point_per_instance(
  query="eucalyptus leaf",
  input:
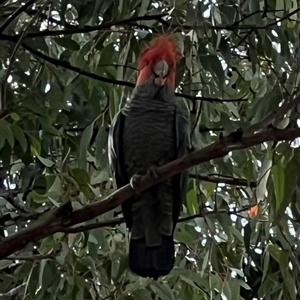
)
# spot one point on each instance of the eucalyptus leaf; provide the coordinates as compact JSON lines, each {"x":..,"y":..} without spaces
{"x":67,"y":43}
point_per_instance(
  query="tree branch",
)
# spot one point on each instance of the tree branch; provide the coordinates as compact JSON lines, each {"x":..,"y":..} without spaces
{"x":204,"y":129}
{"x":276,"y":114}
{"x":117,"y":221}
{"x":13,"y":200}
{"x":103,"y":26}
{"x":68,"y":66}
{"x":253,"y":27}
{"x":106,"y":223}
{"x":73,"y":29}
{"x":13,"y":292}
{"x":32,"y":257}
{"x":58,"y":219}
{"x":221,"y":179}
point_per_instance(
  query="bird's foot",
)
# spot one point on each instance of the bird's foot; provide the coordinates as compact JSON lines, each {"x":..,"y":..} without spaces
{"x":136,"y":178}
{"x":153,"y":172}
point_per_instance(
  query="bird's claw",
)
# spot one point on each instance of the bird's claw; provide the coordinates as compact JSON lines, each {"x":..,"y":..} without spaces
{"x":135,"y":181}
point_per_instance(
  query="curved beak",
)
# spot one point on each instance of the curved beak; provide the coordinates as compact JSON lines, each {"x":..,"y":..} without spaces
{"x":161,"y":70}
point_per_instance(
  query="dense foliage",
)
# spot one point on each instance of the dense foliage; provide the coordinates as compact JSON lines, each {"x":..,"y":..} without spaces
{"x":67,"y":67}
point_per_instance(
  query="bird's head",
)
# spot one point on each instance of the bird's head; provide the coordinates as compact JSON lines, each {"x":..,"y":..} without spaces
{"x":157,"y":62}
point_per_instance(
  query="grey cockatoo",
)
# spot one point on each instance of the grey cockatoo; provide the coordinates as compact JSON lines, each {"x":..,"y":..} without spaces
{"x":149,"y":132}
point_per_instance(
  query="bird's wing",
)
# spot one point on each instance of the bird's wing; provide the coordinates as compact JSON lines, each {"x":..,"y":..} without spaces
{"x":115,"y":156}
{"x":183,"y":143}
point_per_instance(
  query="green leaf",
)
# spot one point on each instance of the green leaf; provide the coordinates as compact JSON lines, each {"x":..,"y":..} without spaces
{"x":88,"y":262}
{"x":15,"y":116}
{"x":5,"y":263}
{"x":263,"y":178}
{"x":96,"y":9}
{"x":290,"y":183}
{"x":101,"y":145}
{"x":265,"y":265}
{"x":247,"y":236}
{"x":212,"y":64}
{"x":42,"y":267}
{"x":79,"y":287}
{"x":84,"y":144}
{"x":290,"y":285}
{"x":47,"y":126}
{"x":6,"y":133}
{"x":282,"y":39}
{"x":33,"y":281}
{"x":35,"y":144}
{"x":67,"y":43}
{"x":114,"y":268}
{"x":45,"y":161}
{"x":278,"y":254}
{"x":225,"y":50}
{"x":142,"y":294}
{"x":278,"y":183}
{"x":20,"y":136}
{"x":144,"y":7}
{"x":163,"y":291}
{"x":192,"y":202}
{"x":185,"y":234}
{"x":36,"y":107}
{"x":38,"y":198}
{"x":205,"y":262}
{"x":81,"y":176}
{"x":123,"y":266}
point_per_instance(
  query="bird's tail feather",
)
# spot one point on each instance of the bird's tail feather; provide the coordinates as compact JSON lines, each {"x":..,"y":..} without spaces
{"x":151,"y":261}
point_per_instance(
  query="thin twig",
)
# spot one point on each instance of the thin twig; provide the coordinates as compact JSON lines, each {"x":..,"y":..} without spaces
{"x":222,"y":179}
{"x":73,"y":29}
{"x":67,"y":65}
{"x":88,"y":29}
{"x":276,"y":114}
{"x":31,"y":258}
{"x":254,"y":27}
{"x":14,"y":201}
{"x":13,"y":292}
{"x":117,"y":221}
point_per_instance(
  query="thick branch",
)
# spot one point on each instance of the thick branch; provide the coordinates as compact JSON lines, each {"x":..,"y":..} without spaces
{"x":61,"y":218}
{"x":47,"y":223}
